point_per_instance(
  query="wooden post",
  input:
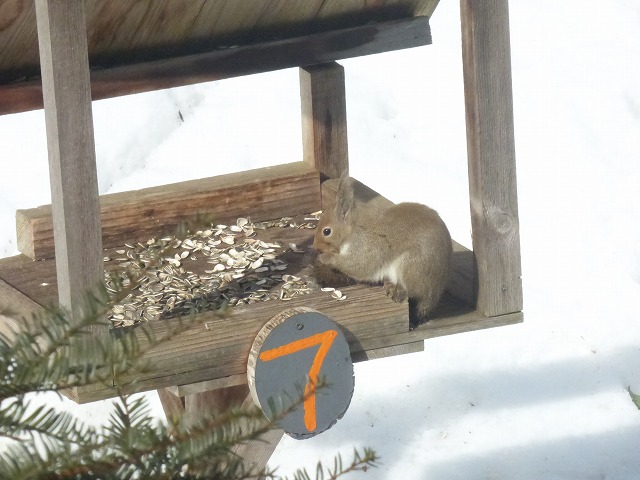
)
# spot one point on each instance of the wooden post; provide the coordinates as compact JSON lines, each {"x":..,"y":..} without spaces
{"x":491,"y":151}
{"x":72,"y":158}
{"x":255,"y":453}
{"x":199,"y":405}
{"x":324,"y":119}
{"x":172,"y":405}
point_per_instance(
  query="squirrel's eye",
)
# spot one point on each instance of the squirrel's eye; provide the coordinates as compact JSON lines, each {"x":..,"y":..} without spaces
{"x":326,"y":231}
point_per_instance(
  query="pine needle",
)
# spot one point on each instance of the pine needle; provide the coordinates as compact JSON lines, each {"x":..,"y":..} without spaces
{"x":635,"y":398}
{"x":52,"y":352}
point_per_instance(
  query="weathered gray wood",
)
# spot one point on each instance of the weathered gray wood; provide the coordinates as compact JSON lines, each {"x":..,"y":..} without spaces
{"x":324,"y":119}
{"x":202,"y":405}
{"x":120,"y":31}
{"x":215,"y":384}
{"x":450,"y":319}
{"x":384,"y":352}
{"x":262,"y":193}
{"x":16,"y":309}
{"x":256,"y":453}
{"x":72,"y":166}
{"x":207,"y":404}
{"x":491,"y":151}
{"x":172,"y":404}
{"x":239,"y":379}
{"x":309,"y":49}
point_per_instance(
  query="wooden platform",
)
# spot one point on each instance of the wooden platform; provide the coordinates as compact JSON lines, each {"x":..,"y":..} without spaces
{"x":214,"y":355}
{"x":119,"y":48}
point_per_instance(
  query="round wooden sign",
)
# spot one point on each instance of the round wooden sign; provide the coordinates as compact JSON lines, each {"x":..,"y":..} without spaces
{"x":294,"y":352}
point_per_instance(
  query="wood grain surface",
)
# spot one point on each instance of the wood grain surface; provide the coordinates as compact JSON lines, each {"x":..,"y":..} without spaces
{"x":491,"y":150}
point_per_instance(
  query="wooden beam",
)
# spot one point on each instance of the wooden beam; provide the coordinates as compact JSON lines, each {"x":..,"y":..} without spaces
{"x":263,"y":194}
{"x":216,"y":351}
{"x":324,"y":119}
{"x":256,"y":453}
{"x":491,"y":151}
{"x":15,"y":309}
{"x":207,"y":385}
{"x":241,"y":379}
{"x":172,"y":404}
{"x":219,"y":347}
{"x":72,"y":165}
{"x":445,"y":323}
{"x":232,"y":62}
{"x":384,"y":352}
{"x":206,"y":404}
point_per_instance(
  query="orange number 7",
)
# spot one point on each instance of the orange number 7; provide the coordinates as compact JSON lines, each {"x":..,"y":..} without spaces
{"x":324,"y":339}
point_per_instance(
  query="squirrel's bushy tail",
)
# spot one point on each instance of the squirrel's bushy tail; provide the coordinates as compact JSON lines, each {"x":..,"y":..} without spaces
{"x":420,"y":308}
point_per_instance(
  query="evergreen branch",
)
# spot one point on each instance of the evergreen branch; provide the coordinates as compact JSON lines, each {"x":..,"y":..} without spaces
{"x":361,"y":463}
{"x":18,"y":424}
{"x":66,"y":364}
{"x":53,"y":352}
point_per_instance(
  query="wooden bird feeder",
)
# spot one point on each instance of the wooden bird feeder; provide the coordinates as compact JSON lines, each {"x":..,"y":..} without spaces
{"x":61,"y":55}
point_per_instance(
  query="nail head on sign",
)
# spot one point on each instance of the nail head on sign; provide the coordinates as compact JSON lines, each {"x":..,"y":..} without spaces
{"x":295,"y":351}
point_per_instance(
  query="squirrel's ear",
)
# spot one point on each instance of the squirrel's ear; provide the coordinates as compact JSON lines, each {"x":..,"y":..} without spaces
{"x":344,"y":198}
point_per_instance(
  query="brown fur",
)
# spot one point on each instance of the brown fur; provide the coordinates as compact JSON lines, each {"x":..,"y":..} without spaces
{"x":405,"y":246}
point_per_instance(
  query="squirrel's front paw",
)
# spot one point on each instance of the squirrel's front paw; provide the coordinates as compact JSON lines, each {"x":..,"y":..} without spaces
{"x":327,"y":258}
{"x":397,"y":293}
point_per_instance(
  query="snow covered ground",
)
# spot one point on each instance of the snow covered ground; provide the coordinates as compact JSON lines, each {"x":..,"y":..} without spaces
{"x":543,"y":400}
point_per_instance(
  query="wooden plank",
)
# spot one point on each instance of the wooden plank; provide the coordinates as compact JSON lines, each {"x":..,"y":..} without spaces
{"x":15,"y":309}
{"x":220,"y":347}
{"x":262,"y":194}
{"x":324,"y":119}
{"x":449,"y":319}
{"x":19,"y":40}
{"x":121,"y":32}
{"x":256,"y":453}
{"x":35,"y":280}
{"x":224,"y":382}
{"x":172,"y":404}
{"x":463,"y":280}
{"x":239,"y":379}
{"x":213,"y":352}
{"x":207,"y":404}
{"x":384,"y":352}
{"x":132,"y":31}
{"x":491,"y":151}
{"x":231,"y":62}
{"x":452,"y":320}
{"x":72,"y":165}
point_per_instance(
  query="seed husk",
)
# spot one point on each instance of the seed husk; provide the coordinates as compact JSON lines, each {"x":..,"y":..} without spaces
{"x":245,"y":269}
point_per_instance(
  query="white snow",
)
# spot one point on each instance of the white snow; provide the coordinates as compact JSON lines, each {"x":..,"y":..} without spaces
{"x":543,"y":400}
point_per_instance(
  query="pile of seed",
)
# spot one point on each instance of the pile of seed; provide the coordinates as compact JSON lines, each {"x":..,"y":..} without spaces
{"x":243,"y":270}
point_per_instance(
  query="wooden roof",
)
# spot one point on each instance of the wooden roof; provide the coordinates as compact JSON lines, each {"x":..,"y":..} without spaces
{"x":130,"y":31}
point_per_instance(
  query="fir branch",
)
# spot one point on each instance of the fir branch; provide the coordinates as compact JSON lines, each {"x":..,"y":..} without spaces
{"x":18,"y":424}
{"x":362,"y":463}
{"x":53,"y":352}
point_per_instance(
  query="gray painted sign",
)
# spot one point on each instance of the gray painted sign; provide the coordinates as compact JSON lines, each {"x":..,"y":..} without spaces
{"x":295,"y":352}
